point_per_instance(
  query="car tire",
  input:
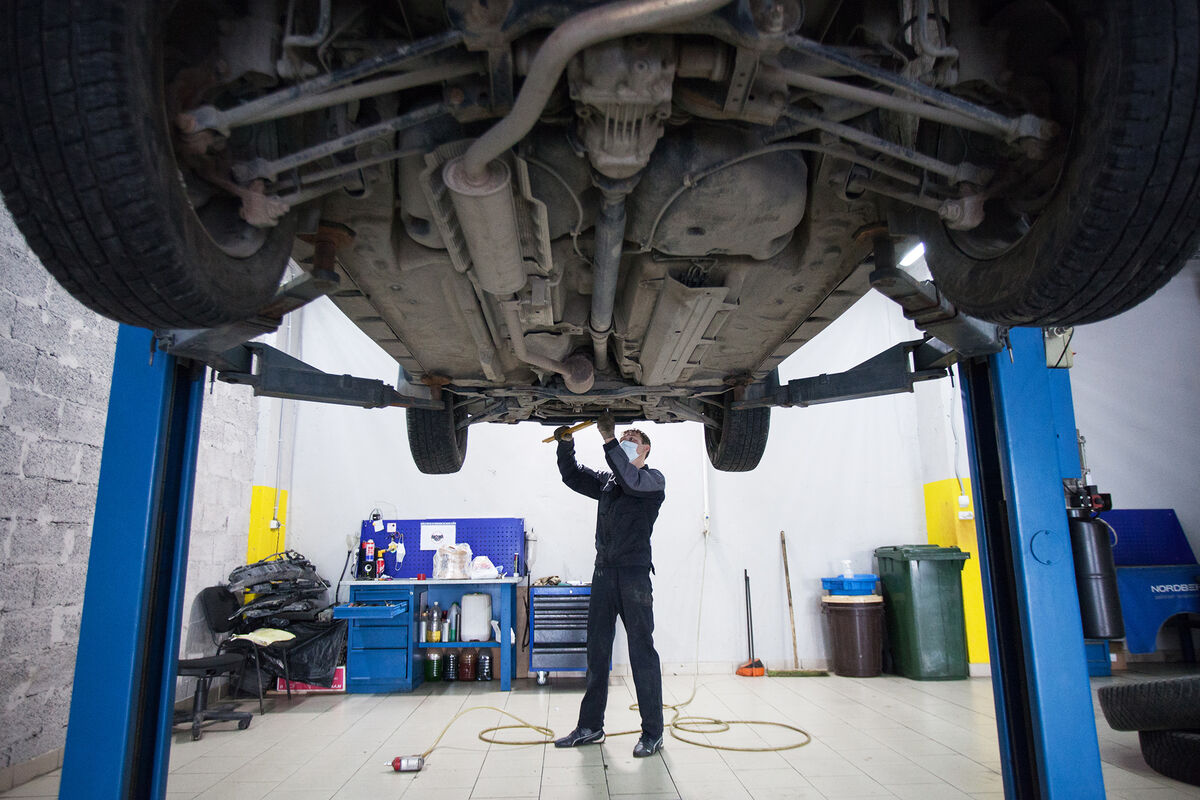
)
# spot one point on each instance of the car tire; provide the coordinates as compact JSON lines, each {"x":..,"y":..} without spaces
{"x":1152,"y":705}
{"x":740,"y":441}
{"x":88,"y":172}
{"x":1175,"y":754}
{"x":1124,"y":215}
{"x":437,"y":443}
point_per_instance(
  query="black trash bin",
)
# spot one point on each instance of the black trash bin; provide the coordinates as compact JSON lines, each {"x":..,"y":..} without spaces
{"x":856,"y":628}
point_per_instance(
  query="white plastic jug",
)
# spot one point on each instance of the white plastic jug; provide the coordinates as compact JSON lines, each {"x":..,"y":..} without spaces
{"x":476,"y":624}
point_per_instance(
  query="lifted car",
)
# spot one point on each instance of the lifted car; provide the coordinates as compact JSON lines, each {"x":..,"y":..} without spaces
{"x":546,"y":208}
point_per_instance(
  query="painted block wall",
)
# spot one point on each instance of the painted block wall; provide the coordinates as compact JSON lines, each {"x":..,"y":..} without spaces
{"x":55,"y":371}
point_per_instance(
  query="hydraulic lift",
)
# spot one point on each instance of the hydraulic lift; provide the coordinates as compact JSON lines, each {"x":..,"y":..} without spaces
{"x":1021,"y":439}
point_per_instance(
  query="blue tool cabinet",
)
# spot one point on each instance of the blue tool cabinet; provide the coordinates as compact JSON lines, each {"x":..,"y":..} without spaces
{"x":381,"y":651}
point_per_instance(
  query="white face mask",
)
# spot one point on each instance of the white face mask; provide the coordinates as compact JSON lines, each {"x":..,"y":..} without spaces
{"x":631,"y":450}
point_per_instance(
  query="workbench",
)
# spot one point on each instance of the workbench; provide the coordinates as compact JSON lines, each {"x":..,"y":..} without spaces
{"x":382,"y":652}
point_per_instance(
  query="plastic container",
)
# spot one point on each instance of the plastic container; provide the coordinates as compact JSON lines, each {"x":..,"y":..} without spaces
{"x":856,"y":631}
{"x":450,"y":673}
{"x":926,"y":627}
{"x":856,"y":585}
{"x":433,"y":667}
{"x":466,"y":666}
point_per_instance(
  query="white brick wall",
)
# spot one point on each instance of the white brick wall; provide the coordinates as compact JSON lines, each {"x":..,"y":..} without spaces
{"x":55,"y":370}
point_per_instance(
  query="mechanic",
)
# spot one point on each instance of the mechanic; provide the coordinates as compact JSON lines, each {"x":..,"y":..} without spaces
{"x":630,"y":497}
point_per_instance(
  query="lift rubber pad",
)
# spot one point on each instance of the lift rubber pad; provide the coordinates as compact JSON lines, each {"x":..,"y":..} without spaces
{"x":498,"y":538}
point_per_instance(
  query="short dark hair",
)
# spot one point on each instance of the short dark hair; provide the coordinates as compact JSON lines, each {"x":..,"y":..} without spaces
{"x":645,"y":438}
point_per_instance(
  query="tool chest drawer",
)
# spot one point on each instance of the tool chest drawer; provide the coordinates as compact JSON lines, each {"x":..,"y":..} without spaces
{"x":371,"y":610}
{"x":558,"y":628}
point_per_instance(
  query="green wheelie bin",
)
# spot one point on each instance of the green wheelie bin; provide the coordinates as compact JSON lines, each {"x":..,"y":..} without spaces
{"x":926,"y":629}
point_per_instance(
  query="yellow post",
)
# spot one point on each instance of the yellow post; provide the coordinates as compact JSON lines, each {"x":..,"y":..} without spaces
{"x":945,"y":528}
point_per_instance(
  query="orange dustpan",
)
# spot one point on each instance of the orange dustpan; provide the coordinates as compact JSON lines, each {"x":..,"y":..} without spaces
{"x":753,"y":668}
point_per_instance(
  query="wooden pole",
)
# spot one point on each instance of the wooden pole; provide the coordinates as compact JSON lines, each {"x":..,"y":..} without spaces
{"x":787,"y":579}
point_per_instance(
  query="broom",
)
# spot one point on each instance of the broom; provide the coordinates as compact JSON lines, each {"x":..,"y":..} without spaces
{"x":753,"y":668}
{"x":792,"y":673}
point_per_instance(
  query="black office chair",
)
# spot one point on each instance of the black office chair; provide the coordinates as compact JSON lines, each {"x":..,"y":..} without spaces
{"x":204,"y":670}
{"x":221,"y":608}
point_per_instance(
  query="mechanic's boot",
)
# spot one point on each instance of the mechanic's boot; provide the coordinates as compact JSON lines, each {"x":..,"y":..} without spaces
{"x":580,"y":736}
{"x":647,"y":746}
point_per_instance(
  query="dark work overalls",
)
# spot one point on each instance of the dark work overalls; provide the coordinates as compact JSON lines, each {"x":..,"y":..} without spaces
{"x":629,"y":502}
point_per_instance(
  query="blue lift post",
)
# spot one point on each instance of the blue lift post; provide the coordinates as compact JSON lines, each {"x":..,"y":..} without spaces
{"x":119,"y":733}
{"x":1022,"y":442}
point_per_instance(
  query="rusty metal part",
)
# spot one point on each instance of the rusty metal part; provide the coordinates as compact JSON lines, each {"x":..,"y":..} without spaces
{"x":590,"y":27}
{"x":329,"y":238}
{"x":209,"y":117}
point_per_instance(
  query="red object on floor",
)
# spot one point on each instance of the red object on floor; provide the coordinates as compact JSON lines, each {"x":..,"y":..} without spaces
{"x":339,"y":684}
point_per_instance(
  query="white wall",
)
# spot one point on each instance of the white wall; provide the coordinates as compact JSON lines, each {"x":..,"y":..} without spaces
{"x":1136,"y":386}
{"x":840,"y":479}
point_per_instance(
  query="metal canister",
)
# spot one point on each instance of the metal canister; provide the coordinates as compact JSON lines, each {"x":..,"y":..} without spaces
{"x":451,"y":671}
{"x":433,"y":667}
{"x":485,"y":667}
{"x":466,"y":666}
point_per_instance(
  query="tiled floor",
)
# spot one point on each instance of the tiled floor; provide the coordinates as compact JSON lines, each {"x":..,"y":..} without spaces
{"x":874,"y":737}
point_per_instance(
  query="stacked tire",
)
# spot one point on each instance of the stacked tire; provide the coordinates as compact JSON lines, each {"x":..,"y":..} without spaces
{"x":1166,"y":716}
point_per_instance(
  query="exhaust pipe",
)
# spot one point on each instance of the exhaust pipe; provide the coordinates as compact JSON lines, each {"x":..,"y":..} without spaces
{"x":582,"y":31}
{"x":480,"y":185}
{"x":577,"y":371}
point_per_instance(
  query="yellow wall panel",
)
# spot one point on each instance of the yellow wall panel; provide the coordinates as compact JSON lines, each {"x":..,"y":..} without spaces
{"x":263,"y":541}
{"x":946,"y":530}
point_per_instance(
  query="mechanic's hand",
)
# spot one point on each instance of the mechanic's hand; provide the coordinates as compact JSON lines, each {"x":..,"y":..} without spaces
{"x":562,"y":434}
{"x":607,"y":425}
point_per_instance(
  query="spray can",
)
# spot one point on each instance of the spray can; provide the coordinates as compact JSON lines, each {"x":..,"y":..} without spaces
{"x":368,"y":571}
{"x":453,"y":622}
{"x":379,"y":565}
{"x":424,"y":626}
{"x":407,"y":763}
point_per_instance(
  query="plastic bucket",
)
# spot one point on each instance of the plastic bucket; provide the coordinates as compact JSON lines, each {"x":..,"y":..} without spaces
{"x":856,"y":630}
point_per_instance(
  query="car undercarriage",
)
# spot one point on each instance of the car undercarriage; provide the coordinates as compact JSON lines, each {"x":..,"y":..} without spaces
{"x":546,"y":209}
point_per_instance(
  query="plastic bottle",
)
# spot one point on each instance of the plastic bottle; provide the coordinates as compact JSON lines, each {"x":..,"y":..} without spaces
{"x":435,"y":623}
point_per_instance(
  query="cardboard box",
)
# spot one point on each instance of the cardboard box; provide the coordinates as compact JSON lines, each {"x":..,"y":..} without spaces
{"x":339,"y":684}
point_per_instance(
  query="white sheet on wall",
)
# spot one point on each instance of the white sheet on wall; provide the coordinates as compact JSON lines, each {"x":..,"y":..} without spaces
{"x":436,"y":534}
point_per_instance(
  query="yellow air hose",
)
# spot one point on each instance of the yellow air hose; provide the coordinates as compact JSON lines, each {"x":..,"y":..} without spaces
{"x":687,"y":724}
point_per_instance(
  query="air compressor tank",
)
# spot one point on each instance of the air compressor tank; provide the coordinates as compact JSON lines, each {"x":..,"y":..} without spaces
{"x":1096,"y":580}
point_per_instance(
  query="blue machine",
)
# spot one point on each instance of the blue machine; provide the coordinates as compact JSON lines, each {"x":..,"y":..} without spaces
{"x":1022,"y":441}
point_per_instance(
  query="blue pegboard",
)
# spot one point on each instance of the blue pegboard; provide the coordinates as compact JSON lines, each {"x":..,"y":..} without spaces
{"x":498,"y":538}
{"x":1148,"y":537}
